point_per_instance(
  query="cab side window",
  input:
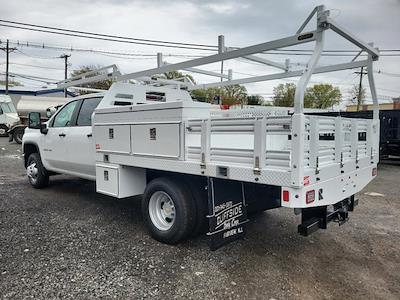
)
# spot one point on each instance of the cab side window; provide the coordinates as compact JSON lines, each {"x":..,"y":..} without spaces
{"x":86,"y":111}
{"x":64,"y":116}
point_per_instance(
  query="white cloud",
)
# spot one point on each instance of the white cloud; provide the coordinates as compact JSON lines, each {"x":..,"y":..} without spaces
{"x":242,"y":23}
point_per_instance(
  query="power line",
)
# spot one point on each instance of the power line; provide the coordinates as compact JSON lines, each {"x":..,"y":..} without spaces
{"x":387,"y":73}
{"x":160,"y":43}
{"x":118,"y":53}
{"x":20,"y":44}
{"x":110,"y":36}
{"x":107,"y":39}
{"x":34,"y":66}
{"x":34,"y":78}
{"x":37,"y":57}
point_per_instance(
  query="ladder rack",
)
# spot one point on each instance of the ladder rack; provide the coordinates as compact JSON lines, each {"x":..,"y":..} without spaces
{"x":324,"y":23}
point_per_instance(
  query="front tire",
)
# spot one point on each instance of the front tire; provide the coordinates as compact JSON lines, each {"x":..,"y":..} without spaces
{"x":169,"y":210}
{"x":18,"y":134}
{"x":37,"y":174}
{"x":3,"y":130}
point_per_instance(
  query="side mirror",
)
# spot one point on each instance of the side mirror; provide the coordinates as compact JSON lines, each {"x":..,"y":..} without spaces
{"x":35,"y":122}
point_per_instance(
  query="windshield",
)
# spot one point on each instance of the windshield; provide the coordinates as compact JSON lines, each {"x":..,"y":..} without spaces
{"x":8,"y":107}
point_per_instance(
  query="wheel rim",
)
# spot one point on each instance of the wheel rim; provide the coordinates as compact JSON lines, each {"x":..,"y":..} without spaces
{"x":2,"y":131}
{"x":162,"y":210}
{"x":32,"y":172}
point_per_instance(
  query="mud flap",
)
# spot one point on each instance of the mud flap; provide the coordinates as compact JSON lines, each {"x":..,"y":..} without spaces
{"x":227,"y":212}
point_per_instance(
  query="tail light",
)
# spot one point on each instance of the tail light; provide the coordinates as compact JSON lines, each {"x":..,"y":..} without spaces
{"x":310,"y":196}
{"x":374,"y":171}
{"x":285,"y":196}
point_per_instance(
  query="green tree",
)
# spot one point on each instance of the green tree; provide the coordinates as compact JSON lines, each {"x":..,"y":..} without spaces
{"x":284,"y":94}
{"x":205,"y":95}
{"x":234,"y":94}
{"x":230,"y":95}
{"x":255,"y":100}
{"x":317,"y":96}
{"x":322,"y":96}
{"x":102,"y":85}
{"x":176,"y":75}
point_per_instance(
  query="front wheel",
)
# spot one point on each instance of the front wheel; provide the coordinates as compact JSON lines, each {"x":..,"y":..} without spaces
{"x":37,"y":174}
{"x":18,"y":134}
{"x":168,"y":210}
{"x":3,"y":130}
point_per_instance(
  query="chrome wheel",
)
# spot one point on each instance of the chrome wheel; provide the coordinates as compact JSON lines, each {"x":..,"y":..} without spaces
{"x":162,"y":210}
{"x":32,"y":172}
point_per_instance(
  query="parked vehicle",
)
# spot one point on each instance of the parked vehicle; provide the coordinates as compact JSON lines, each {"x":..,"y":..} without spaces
{"x":13,"y":121}
{"x":8,"y":115}
{"x":196,"y":165}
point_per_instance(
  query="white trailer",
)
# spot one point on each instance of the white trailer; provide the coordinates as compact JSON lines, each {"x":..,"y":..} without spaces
{"x":191,"y":161}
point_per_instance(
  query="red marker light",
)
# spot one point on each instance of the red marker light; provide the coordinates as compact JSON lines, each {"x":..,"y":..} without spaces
{"x":285,"y":196}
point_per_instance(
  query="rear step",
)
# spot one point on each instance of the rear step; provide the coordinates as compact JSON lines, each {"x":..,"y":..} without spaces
{"x":316,"y":218}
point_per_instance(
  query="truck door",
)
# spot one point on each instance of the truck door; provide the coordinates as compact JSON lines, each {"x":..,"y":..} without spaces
{"x":80,"y":145}
{"x":54,"y":152}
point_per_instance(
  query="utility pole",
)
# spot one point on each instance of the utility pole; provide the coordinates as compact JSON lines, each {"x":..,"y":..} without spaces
{"x":7,"y":49}
{"x":65,"y":56}
{"x":221,"y":49}
{"x":360,"y":87}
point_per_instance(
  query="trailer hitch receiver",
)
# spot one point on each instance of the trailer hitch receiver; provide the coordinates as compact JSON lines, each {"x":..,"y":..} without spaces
{"x":315,"y":218}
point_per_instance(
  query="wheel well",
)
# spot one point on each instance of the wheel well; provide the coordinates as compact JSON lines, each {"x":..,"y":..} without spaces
{"x":192,"y":180}
{"x":28,"y":150}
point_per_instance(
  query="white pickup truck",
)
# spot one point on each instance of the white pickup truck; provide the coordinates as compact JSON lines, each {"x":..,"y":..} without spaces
{"x":193,"y":163}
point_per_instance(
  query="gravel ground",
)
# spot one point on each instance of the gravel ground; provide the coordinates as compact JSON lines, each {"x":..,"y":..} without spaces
{"x":66,"y":241}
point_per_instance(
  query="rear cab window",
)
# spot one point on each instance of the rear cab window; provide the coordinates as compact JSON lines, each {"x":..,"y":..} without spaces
{"x":85,"y":113}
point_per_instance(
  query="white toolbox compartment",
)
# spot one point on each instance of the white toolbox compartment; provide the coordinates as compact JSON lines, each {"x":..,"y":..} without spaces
{"x":113,"y":138}
{"x":156,"y":139}
{"x":119,"y":181}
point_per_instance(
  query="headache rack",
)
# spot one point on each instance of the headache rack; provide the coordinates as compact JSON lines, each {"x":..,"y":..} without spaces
{"x":254,"y":145}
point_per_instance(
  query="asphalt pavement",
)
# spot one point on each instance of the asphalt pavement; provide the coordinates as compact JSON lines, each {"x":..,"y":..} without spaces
{"x":67,"y":241}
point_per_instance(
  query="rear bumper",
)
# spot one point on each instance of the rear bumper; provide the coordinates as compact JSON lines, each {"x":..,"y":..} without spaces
{"x":330,"y":191}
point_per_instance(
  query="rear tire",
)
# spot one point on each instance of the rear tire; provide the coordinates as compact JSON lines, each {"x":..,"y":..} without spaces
{"x":3,"y":130}
{"x":18,"y":134}
{"x":37,"y":174}
{"x":168,"y":210}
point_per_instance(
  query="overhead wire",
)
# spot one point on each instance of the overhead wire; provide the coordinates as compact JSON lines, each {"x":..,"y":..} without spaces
{"x":110,"y":36}
{"x":107,"y":39}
